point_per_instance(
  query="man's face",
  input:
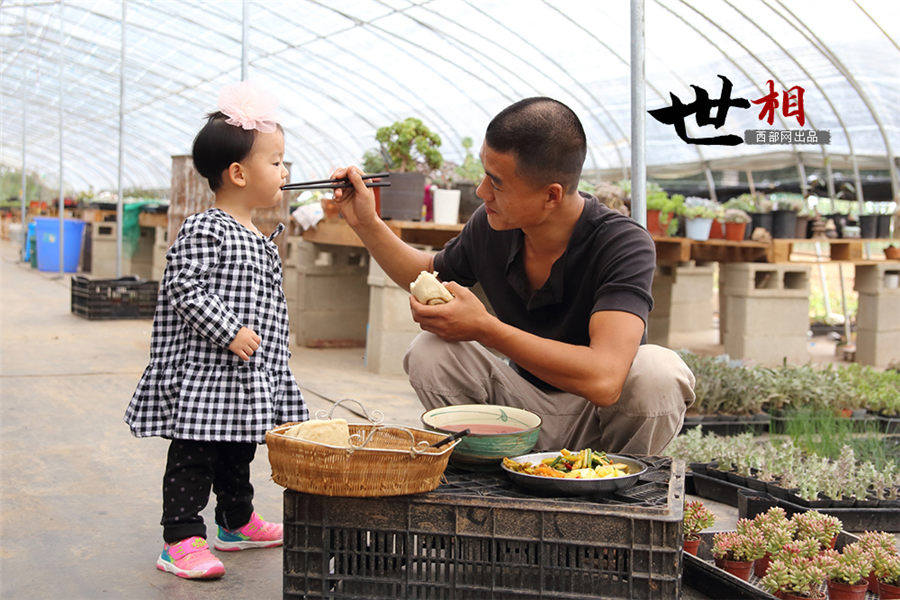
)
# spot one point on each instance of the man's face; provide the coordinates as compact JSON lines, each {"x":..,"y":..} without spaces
{"x":511,"y":201}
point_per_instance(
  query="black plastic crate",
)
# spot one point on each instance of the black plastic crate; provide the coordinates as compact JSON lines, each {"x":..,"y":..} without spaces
{"x":478,"y":537}
{"x":123,"y":298}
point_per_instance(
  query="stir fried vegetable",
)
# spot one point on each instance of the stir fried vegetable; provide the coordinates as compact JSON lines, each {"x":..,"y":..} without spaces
{"x":584,"y":464}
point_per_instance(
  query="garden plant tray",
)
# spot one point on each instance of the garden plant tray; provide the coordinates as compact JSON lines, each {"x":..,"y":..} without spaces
{"x":123,"y":298}
{"x":478,"y":536}
{"x":853,"y":518}
{"x":701,"y":574}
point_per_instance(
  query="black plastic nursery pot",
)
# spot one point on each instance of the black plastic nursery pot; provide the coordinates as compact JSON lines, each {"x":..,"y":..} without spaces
{"x":801,"y":231}
{"x":784,"y":224}
{"x":868,"y":226}
{"x":764,"y":220}
{"x":403,"y":198}
{"x":884,"y":227}
{"x":840,"y":221}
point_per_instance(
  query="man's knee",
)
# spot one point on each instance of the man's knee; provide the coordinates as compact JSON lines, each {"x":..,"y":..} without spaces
{"x":659,"y":383}
{"x":425,"y":353}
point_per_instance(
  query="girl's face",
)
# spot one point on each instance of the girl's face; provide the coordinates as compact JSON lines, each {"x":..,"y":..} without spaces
{"x":264,"y":169}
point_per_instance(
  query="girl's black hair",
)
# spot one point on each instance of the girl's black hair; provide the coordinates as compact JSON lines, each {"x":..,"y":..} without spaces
{"x":218,"y":145}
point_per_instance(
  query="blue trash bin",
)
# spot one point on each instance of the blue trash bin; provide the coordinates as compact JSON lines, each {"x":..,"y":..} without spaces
{"x":48,"y":244}
{"x":26,"y":255}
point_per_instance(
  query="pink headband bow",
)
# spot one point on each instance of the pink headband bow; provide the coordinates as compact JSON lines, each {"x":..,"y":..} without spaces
{"x":249,"y":106}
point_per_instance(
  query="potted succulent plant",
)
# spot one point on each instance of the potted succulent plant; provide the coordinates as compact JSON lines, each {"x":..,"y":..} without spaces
{"x":847,"y":571}
{"x":761,"y":215}
{"x":735,"y":224}
{"x":777,"y":531}
{"x":795,"y":577}
{"x":784,"y":216}
{"x":817,"y":526}
{"x":411,"y":150}
{"x":698,"y":220}
{"x":887,"y":570}
{"x":874,"y":542}
{"x":661,"y":209}
{"x":696,"y":518}
{"x":735,"y":551}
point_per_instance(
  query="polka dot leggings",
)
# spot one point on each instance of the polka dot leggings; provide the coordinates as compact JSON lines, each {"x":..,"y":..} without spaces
{"x":192,"y":467}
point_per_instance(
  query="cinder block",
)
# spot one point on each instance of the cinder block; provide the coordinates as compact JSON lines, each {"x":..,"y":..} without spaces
{"x":879,"y":312}
{"x":658,"y":330}
{"x":158,"y":266}
{"x":326,"y":328}
{"x":877,"y":348}
{"x":327,"y":259}
{"x":682,"y":300}
{"x":103,"y":252}
{"x":336,"y":292}
{"x":768,"y":350}
{"x":872,"y":279}
{"x":764,"y":279}
{"x":691,"y":316}
{"x":749,"y":316}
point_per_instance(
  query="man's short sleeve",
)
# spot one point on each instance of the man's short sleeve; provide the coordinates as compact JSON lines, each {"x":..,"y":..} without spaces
{"x":624,"y":282}
{"x":454,"y":262}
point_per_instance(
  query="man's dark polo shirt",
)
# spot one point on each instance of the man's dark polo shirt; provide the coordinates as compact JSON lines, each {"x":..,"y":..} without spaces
{"x":608,"y":265}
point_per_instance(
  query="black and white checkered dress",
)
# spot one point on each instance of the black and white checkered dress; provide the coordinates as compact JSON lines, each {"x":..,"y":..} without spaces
{"x":220,"y":276}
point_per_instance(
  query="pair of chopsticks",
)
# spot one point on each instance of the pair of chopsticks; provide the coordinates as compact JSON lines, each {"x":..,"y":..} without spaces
{"x":337,"y":184}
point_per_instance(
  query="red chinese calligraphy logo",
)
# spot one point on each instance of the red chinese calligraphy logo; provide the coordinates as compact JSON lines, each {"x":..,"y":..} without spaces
{"x":791,"y":104}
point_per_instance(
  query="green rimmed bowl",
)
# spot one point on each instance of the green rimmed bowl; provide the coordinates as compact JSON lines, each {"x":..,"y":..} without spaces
{"x":484,"y":451}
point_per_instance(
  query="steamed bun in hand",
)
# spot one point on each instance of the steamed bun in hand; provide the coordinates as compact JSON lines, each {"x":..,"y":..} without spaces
{"x":428,"y":290}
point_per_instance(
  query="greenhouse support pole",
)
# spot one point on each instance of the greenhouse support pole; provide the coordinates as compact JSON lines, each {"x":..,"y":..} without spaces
{"x":712,"y":185}
{"x":829,"y":180}
{"x":638,"y":106}
{"x":750,"y":182}
{"x":801,"y":170}
{"x":24,"y":127}
{"x":245,"y":30}
{"x":120,"y":204}
{"x":62,"y":201}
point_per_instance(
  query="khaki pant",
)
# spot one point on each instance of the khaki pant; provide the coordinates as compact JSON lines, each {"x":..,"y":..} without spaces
{"x":648,"y":414}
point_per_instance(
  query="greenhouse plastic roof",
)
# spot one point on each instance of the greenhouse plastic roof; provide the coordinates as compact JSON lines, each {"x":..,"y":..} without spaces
{"x":341,"y":69}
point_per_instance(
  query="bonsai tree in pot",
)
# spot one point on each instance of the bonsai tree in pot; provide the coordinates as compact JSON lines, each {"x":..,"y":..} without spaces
{"x":466,"y":177}
{"x":792,"y":577}
{"x":847,"y":572}
{"x":696,"y":518}
{"x":887,"y":570}
{"x":412,"y":151}
{"x":735,"y":224}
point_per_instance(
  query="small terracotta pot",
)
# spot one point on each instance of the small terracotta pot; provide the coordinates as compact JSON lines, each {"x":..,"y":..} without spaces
{"x":720,"y":562}
{"x":739,"y":568}
{"x":837,"y":590}
{"x":762,"y":565}
{"x":735,"y":231}
{"x":690,"y":546}
{"x":886,"y":591}
{"x":654,"y":226}
{"x":873,"y":583}
{"x":716,"y":231}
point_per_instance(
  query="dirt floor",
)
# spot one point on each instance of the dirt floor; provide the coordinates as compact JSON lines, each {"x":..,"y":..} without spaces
{"x":80,"y":497}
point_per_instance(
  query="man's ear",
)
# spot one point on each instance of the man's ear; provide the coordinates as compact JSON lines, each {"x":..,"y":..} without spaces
{"x":235,"y":174}
{"x":555,"y":194}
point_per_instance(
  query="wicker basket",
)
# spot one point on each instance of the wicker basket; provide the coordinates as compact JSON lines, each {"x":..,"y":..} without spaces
{"x":382,"y":460}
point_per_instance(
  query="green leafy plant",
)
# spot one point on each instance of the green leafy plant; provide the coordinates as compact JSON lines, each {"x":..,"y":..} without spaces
{"x":744,"y":202}
{"x":470,"y":170}
{"x":698,"y":212}
{"x":373,"y":161}
{"x":696,"y":518}
{"x":410,"y":146}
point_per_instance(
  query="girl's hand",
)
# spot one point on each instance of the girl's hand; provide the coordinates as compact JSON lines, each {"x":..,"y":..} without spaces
{"x":357,"y":204}
{"x":245,"y":343}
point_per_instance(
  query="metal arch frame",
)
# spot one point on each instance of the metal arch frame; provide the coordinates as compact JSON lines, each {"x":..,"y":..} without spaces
{"x":625,"y":62}
{"x":826,"y":51}
{"x":587,"y":109}
{"x":398,"y":83}
{"x":857,"y":179}
{"x":743,"y":72}
{"x":874,"y":22}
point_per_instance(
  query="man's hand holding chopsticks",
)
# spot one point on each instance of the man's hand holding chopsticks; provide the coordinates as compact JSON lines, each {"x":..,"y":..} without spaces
{"x":357,"y":204}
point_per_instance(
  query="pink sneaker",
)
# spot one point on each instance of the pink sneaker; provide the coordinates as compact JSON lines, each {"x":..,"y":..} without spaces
{"x":255,"y":534}
{"x":190,"y":559}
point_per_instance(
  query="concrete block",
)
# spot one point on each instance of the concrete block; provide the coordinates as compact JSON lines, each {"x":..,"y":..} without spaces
{"x":336,"y":292}
{"x":158,"y":265}
{"x":764,"y":279}
{"x":749,"y":316}
{"x":329,"y":328}
{"x":327,"y":259}
{"x":682,"y":297}
{"x":879,"y":312}
{"x":768,"y":350}
{"x":658,"y":330}
{"x":878,"y":279}
{"x":104,"y":249}
{"x":691,"y":316}
{"x":877,"y":348}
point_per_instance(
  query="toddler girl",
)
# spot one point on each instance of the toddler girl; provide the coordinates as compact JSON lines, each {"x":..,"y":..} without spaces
{"x":218,"y":376}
